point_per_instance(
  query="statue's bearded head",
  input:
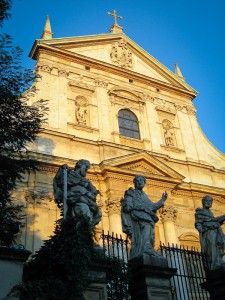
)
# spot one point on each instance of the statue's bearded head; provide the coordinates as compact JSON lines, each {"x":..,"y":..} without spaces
{"x":82,"y":167}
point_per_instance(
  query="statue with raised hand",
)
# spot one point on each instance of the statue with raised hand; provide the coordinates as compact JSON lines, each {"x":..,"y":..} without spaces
{"x":212,"y":238}
{"x":139,"y":218}
{"x":77,"y":192}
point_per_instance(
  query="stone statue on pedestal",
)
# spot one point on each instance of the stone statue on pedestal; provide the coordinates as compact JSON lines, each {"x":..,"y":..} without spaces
{"x":139,"y":218}
{"x":212,"y":238}
{"x":77,"y":192}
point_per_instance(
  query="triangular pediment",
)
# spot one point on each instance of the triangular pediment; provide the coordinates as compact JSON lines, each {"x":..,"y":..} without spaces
{"x":143,"y":164}
{"x":115,"y":51}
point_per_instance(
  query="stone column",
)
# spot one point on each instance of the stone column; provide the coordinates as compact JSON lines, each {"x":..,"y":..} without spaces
{"x":168,"y":217}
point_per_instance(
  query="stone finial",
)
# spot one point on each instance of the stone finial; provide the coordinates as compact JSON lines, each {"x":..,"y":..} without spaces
{"x":178,"y":72}
{"x":116,"y":28}
{"x":168,"y":213}
{"x":47,"y":32}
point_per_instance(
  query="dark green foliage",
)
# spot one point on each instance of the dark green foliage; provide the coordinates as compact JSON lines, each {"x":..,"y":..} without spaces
{"x":118,"y":279}
{"x":59,"y":269}
{"x":9,"y":224}
{"x":20,"y":124}
{"x":5,"y":5}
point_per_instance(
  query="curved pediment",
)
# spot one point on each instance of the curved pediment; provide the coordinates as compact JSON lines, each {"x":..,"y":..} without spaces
{"x":124,"y":93}
{"x":189,"y":236}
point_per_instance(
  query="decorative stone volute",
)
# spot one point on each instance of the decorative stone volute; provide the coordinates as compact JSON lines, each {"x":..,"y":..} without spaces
{"x":168,"y":213}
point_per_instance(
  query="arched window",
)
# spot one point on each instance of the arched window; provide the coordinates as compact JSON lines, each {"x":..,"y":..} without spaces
{"x":128,"y":124}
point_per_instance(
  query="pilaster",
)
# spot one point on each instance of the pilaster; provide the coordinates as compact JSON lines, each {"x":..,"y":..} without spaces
{"x":168,"y":216}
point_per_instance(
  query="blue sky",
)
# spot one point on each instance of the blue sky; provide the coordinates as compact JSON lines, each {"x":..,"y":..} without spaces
{"x":191,"y":33}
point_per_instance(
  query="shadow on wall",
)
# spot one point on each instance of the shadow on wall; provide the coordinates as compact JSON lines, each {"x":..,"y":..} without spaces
{"x":41,"y":215}
{"x":42,"y":145}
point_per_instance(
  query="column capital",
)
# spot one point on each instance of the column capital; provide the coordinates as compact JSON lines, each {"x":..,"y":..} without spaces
{"x":114,"y":206}
{"x":168,"y":213}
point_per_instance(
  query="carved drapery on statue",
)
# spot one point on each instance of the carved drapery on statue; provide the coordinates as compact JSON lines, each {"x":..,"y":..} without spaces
{"x":139,"y":218}
{"x":212,"y":238}
{"x":76,"y":193}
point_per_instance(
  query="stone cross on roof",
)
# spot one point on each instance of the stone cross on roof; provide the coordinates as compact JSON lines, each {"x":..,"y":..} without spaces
{"x":115,"y":27}
{"x":115,"y":16}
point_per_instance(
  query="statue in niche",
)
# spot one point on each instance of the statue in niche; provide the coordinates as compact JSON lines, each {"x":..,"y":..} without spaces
{"x":81,"y":110}
{"x":77,"y":192}
{"x":81,"y":115}
{"x":139,"y":218}
{"x":168,"y":133}
{"x":212,"y":238}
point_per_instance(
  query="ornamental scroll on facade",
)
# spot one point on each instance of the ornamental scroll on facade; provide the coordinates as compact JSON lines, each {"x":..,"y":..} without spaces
{"x":121,"y":55}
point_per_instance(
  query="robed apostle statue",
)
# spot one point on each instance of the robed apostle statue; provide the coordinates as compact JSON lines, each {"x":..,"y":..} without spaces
{"x":76,"y":192}
{"x":212,"y":238}
{"x":139,"y":218}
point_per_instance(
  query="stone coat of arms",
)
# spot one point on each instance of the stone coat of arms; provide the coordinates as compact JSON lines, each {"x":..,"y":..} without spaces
{"x":121,"y":55}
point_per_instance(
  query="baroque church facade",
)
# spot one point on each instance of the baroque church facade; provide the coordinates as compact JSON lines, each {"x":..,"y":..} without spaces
{"x":112,"y":103}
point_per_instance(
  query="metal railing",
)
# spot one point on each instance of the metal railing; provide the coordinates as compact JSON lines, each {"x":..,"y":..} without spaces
{"x":115,"y":246}
{"x":116,"y":250}
{"x":186,"y":284}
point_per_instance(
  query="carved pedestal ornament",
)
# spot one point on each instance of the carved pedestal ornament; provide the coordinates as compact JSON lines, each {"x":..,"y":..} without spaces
{"x":121,"y":55}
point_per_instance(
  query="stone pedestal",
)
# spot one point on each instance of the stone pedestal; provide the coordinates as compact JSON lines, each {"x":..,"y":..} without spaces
{"x":150,"y":278}
{"x":11,"y":269}
{"x":97,"y":273}
{"x":215,"y":284}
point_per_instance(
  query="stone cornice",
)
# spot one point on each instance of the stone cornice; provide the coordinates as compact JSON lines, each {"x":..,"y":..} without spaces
{"x":199,"y":190}
{"x":104,"y":39}
{"x":50,"y":163}
{"x":162,"y":157}
{"x":100,"y":65}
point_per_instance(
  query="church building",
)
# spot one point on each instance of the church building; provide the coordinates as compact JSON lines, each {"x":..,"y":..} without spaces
{"x":112,"y":103}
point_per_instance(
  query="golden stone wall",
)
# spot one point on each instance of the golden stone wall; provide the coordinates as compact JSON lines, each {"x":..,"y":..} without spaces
{"x":86,"y":81}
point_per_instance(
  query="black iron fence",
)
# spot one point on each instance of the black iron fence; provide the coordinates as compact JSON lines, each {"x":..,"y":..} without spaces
{"x":185,"y":285}
{"x":115,"y":246}
{"x":116,"y":251}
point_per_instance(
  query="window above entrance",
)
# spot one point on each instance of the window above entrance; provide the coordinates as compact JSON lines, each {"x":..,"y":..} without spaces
{"x":128,"y":124}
